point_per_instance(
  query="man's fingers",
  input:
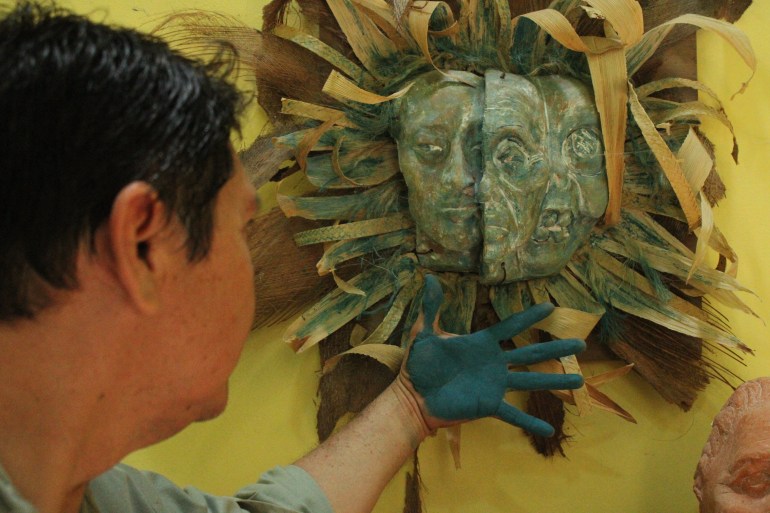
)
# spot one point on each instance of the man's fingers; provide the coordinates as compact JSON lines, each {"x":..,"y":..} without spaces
{"x":516,"y":417}
{"x":543,"y":381}
{"x":535,"y":353}
{"x":432,"y":297}
{"x":516,"y":323}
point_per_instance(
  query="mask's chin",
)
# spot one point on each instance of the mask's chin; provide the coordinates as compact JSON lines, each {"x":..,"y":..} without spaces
{"x":547,"y":250}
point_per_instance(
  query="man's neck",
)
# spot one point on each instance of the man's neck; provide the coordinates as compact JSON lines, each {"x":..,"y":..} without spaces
{"x":49,"y":420}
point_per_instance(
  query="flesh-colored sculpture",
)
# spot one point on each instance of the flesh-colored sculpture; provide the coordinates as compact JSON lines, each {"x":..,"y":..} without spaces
{"x":505,"y":176}
{"x":733,"y":474}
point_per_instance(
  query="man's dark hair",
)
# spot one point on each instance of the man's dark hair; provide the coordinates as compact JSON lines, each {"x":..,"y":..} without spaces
{"x":85,"y":109}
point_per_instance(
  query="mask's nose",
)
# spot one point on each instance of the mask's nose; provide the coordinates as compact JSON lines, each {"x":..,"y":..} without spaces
{"x":556,"y":213}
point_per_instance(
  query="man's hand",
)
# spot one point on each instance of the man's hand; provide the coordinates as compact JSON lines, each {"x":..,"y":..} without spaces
{"x":464,"y":377}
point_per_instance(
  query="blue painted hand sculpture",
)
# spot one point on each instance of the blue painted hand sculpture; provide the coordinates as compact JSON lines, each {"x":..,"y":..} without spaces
{"x":464,"y":377}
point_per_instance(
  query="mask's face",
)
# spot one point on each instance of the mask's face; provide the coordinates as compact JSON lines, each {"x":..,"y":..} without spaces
{"x":505,"y":175}
{"x":544,"y":184}
{"x":439,"y":151}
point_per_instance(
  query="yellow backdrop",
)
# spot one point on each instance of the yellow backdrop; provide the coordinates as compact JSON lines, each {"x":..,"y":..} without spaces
{"x":612,"y":466}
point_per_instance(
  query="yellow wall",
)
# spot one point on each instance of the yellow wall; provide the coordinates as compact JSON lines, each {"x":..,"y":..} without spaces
{"x":612,"y":466}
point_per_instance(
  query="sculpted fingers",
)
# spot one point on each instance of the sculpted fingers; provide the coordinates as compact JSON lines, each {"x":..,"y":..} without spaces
{"x":535,"y":353}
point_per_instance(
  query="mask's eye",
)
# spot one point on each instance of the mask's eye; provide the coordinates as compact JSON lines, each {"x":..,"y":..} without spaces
{"x":509,"y":155}
{"x":752,"y":480}
{"x":583,"y":147}
{"x":430,"y":148}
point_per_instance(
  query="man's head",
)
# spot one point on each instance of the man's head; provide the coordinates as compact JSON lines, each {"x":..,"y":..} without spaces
{"x":85,"y":110}
{"x":733,"y":473}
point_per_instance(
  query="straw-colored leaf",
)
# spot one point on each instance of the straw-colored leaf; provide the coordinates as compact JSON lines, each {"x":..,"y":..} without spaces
{"x":656,"y":86}
{"x":407,"y":293}
{"x":697,"y":165}
{"x":366,"y":40}
{"x":557,"y":26}
{"x":321,"y":49}
{"x":293,"y":139}
{"x":608,"y":75}
{"x":718,"y":242}
{"x":338,"y":307}
{"x":641,"y":52}
{"x":602,"y":402}
{"x":657,"y":233}
{"x":606,"y":377}
{"x":345,"y":250}
{"x":671,"y":262}
{"x":341,"y":88}
{"x":598,"y":400}
{"x":568,"y":323}
{"x":375,"y":202}
{"x":688,"y":112}
{"x":505,"y":33}
{"x":354,"y":230}
{"x":418,"y":20}
{"x":625,"y":17}
{"x":384,"y":16}
{"x":388,"y":355}
{"x":346,"y":286}
{"x":696,"y":161}
{"x":337,"y":168}
{"x":639,"y":299}
{"x":568,"y":292}
{"x":704,"y":235}
{"x":312,"y":111}
{"x":668,"y":162}
{"x":357,"y":334}
{"x":361,"y":164}
{"x":310,"y":139}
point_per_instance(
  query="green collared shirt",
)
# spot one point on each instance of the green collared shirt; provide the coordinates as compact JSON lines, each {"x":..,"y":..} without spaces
{"x":124,"y":489}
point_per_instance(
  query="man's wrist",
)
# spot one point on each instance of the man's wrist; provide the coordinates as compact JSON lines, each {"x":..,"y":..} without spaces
{"x":413,"y":411}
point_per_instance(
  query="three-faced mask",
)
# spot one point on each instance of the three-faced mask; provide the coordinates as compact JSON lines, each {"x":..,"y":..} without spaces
{"x":506,"y":175}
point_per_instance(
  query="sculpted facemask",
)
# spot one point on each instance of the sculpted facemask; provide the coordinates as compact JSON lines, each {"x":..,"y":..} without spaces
{"x":506,"y":179}
{"x":439,"y":152}
{"x":544,"y":184}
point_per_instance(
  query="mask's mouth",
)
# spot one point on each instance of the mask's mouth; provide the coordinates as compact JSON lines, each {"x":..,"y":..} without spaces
{"x":553,"y":226}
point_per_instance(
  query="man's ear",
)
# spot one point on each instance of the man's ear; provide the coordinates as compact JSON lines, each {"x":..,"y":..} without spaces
{"x":138,"y":234}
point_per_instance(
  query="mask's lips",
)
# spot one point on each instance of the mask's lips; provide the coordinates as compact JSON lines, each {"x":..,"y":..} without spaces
{"x":553,"y":226}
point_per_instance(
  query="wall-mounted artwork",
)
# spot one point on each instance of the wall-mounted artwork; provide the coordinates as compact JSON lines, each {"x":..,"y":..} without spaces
{"x":520,"y":151}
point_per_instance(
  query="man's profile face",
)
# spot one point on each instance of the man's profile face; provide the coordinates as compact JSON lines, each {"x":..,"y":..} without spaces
{"x":211,"y":307}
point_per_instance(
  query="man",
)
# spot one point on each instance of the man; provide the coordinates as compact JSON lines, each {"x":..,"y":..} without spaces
{"x":126,"y":288}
